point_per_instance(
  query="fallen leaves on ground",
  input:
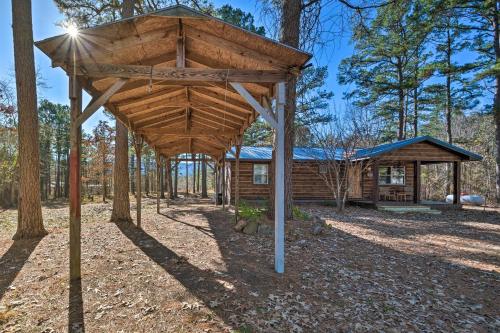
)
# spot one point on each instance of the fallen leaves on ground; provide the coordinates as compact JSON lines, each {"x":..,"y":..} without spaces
{"x":189,"y":271}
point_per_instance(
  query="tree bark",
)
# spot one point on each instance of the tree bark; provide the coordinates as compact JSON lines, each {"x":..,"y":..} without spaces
{"x":289,"y":34}
{"x":401,"y":102}
{"x":121,"y":201}
{"x":497,"y":99}
{"x":29,"y":222}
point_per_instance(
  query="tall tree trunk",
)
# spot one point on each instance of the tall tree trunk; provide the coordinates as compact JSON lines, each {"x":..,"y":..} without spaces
{"x":121,"y":201}
{"x":496,"y":102}
{"x":401,"y":101}
{"x":415,"y":95}
{"x":449,"y":107}
{"x":103,"y":177}
{"x":29,"y":221}
{"x":132,"y":174}
{"x":204,"y":193}
{"x":58,"y":175}
{"x":66,"y":176}
{"x":289,"y":34}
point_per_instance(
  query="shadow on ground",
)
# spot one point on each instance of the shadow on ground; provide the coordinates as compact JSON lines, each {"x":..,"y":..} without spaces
{"x":13,"y":261}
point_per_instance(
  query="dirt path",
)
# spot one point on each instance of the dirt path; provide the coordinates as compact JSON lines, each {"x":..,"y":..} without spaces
{"x":188,"y":271}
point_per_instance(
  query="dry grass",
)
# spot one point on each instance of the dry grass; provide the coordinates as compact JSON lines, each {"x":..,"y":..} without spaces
{"x":188,"y":271}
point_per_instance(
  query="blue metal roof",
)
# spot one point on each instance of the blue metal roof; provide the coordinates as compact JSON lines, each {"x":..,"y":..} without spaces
{"x":310,"y":153}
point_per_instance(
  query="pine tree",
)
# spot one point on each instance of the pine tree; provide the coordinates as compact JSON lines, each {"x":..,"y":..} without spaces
{"x":30,"y":222}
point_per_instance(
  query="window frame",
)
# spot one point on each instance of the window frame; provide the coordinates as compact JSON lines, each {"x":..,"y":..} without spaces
{"x":391,"y":174}
{"x":322,"y":169}
{"x":254,"y":174}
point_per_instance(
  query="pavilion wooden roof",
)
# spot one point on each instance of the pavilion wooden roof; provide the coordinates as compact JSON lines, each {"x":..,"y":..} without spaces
{"x":167,"y":75}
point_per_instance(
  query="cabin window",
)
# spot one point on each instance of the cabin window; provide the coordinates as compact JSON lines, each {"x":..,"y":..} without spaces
{"x":260,"y":174}
{"x":391,"y":175}
{"x":323,"y":170}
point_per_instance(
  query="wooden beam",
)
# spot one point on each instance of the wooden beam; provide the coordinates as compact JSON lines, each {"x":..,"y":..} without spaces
{"x":99,"y":101}
{"x":267,"y":114}
{"x":96,"y":70}
{"x":75,"y":95}
{"x":138,"y":142}
{"x":279,"y":181}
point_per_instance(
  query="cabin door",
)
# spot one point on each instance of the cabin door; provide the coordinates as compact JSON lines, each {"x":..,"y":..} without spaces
{"x":355,"y":182}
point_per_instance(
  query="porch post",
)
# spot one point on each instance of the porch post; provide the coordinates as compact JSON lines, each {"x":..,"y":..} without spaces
{"x":168,"y":178}
{"x":158,"y":181}
{"x":138,"y":183}
{"x":223,"y":185}
{"x":456,"y":182}
{"x":279,"y":182}
{"x":216,"y":183}
{"x":237,"y":181}
{"x":375,"y":182}
{"x":417,"y":183}
{"x":75,"y":95}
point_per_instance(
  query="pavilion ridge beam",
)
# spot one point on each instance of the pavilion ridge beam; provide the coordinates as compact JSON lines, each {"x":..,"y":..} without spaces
{"x":95,"y":70}
{"x":99,"y":101}
{"x":267,"y":114}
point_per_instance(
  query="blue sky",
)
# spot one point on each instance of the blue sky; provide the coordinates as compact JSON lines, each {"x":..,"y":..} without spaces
{"x":45,"y":19}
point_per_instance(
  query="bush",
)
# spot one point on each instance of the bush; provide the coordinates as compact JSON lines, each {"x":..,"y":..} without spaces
{"x":300,"y":214}
{"x":250,"y":213}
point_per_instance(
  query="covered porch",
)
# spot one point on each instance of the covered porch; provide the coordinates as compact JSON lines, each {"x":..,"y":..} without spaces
{"x":393,"y":172}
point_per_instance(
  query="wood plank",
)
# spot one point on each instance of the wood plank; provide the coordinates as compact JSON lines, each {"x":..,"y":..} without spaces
{"x":96,"y":70}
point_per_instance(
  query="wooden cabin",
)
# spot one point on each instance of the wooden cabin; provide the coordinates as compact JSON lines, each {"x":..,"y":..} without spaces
{"x":388,"y":172}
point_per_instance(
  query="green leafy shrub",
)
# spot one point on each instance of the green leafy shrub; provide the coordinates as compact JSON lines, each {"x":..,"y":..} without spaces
{"x":300,"y":214}
{"x":250,"y":213}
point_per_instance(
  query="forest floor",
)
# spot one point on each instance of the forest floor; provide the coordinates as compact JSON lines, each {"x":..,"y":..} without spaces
{"x":189,"y":271}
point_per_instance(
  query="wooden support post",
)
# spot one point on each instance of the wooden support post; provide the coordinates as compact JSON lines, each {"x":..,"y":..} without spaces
{"x":168,"y":177}
{"x":417,"y":183}
{"x":375,"y":182}
{"x":456,"y":182}
{"x":223,"y":180}
{"x":237,"y":181}
{"x":187,"y":178}
{"x":75,"y":95}
{"x":138,"y":183}
{"x":216,"y":183}
{"x":158,"y":178}
{"x":279,"y":181}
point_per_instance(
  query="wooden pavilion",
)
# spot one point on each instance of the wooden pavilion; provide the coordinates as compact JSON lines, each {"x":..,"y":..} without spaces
{"x":182,"y":82}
